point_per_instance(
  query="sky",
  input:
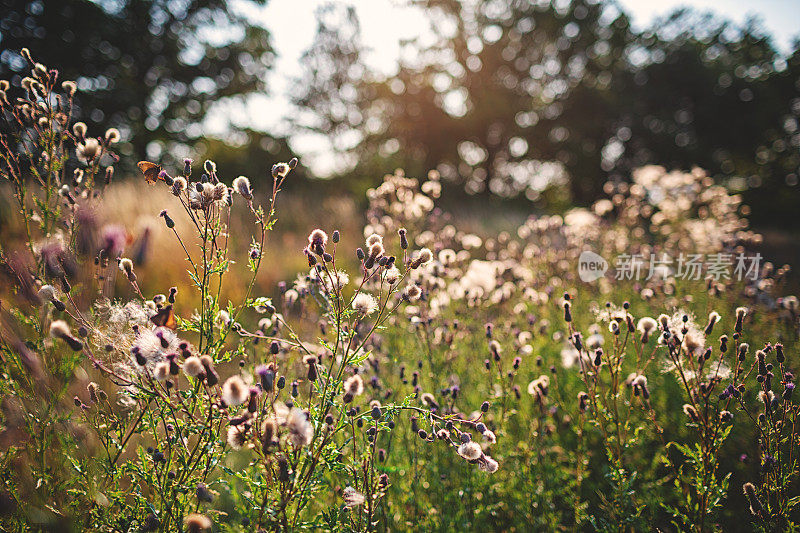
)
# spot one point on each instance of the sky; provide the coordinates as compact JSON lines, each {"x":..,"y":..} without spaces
{"x":384,"y":23}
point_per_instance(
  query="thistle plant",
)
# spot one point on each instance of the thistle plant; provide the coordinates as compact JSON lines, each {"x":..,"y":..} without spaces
{"x":430,"y":377}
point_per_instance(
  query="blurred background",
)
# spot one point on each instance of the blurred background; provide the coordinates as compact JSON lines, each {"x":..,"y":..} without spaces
{"x":521,"y":105}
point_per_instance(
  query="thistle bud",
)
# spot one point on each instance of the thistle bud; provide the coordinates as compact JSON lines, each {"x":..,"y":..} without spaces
{"x":212,"y":377}
{"x":79,"y":129}
{"x":749,"y":490}
{"x":126,"y":266}
{"x":167,"y":219}
{"x":242,"y":186}
{"x":60,"y":330}
{"x":69,"y":87}
{"x":741,"y":312}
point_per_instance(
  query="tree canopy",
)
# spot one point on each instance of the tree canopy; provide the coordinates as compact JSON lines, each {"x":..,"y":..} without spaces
{"x":521,"y":96}
{"x":152,"y":68}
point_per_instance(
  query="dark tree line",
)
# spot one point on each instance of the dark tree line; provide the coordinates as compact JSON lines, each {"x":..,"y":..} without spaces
{"x":516,"y":99}
{"x":152,"y":68}
{"x":519,"y":95}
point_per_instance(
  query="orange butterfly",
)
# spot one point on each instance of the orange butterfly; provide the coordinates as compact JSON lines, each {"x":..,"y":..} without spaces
{"x":151,"y":171}
{"x":165,"y":318}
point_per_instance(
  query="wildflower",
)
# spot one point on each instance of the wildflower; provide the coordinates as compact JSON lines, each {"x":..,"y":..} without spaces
{"x":203,"y":493}
{"x":161,"y":371}
{"x":583,"y":401}
{"x":354,"y":385}
{"x":79,"y":129}
{"x":179,"y":185}
{"x":755,"y":504}
{"x":242,"y":186}
{"x":374,"y":239}
{"x":40,"y":71}
{"x":234,"y":391}
{"x":691,"y":412}
{"x":741,"y":312}
{"x":375,"y":250}
{"x":743,"y":348}
{"x":788,"y":389}
{"x":645,"y":326}
{"x":219,"y":192}
{"x":95,"y":392}
{"x":425,"y":256}
{"x":60,"y":330}
{"x":112,"y":135}
{"x":780,"y":357}
{"x":267,"y":377}
{"x":236,"y":437}
{"x":211,"y":376}
{"x":27,"y":83}
{"x":269,"y":433}
{"x":70,"y":87}
{"x":494,"y":346}
{"x":336,"y":280}
{"x":280,"y":170}
{"x":539,"y":387}
{"x":167,"y":219}
{"x":412,"y":293}
{"x":206,"y":193}
{"x":365,"y":304}
{"x":113,"y":240}
{"x":429,"y":400}
{"x":311,"y":362}
{"x":639,"y":384}
{"x":193,"y":368}
{"x":713,"y":317}
{"x":487,"y":464}
{"x":470,"y":450}
{"x":197,"y":523}
{"x":403,"y":238}
{"x":392,"y":275}
{"x":223,"y":318}
{"x":693,"y":342}
{"x":48,"y":293}
{"x":352,"y":498}
{"x":595,"y":341}
{"x":88,"y":150}
{"x":301,"y":432}
{"x":126,"y":266}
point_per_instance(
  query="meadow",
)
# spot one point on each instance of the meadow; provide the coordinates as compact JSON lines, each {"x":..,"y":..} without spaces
{"x":173,"y":359}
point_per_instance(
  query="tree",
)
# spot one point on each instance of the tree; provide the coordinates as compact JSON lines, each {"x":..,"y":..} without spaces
{"x":518,"y":96}
{"x":153,"y":68}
